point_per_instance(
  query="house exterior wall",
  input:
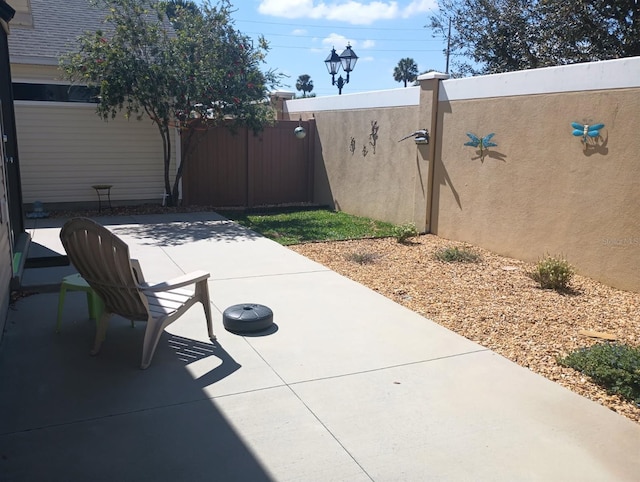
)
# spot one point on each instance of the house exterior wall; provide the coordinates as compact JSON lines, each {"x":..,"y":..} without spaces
{"x":65,"y":148}
{"x":6,"y":118}
{"x":538,"y":191}
{"x":6,"y":250}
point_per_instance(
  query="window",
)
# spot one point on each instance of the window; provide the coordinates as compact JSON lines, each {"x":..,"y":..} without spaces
{"x":54,"y":93}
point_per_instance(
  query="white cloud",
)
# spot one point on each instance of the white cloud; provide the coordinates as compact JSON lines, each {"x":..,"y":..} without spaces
{"x":350,"y":11}
{"x":336,"y":39}
{"x":339,"y":42}
{"x":419,"y":6}
{"x":299,"y":31}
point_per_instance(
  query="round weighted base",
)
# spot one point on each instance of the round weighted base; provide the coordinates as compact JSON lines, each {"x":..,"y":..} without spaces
{"x":247,"y":318}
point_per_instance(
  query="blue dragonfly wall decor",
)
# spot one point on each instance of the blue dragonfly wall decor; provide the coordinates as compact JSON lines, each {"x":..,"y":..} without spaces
{"x":482,"y":142}
{"x":585,"y":130}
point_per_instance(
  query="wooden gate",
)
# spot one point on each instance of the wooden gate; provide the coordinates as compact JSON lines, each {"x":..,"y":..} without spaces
{"x":247,"y":170}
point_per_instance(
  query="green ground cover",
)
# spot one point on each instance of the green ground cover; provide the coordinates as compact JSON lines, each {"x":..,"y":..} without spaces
{"x":295,"y":227}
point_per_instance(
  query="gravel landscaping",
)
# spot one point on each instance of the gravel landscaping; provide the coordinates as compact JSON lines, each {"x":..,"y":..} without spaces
{"x":493,"y":303}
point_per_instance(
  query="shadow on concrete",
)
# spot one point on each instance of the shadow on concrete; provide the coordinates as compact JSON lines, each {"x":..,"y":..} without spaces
{"x":65,"y":415}
{"x":182,"y":232}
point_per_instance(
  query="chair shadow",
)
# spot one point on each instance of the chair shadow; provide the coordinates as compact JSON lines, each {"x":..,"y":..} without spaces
{"x":77,"y":414}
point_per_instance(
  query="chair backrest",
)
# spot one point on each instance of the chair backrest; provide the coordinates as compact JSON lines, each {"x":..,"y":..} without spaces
{"x":102,"y":259}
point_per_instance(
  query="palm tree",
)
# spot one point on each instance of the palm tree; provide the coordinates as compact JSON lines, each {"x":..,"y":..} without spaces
{"x":304,"y":84}
{"x":405,"y":71}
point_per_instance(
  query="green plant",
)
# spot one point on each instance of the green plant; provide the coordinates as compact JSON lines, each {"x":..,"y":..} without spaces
{"x":402,"y":232}
{"x":361,"y":257}
{"x":453,"y":254}
{"x":614,"y":366}
{"x":552,"y":272}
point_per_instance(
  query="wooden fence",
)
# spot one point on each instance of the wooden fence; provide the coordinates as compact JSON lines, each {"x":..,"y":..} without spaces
{"x":247,"y":170}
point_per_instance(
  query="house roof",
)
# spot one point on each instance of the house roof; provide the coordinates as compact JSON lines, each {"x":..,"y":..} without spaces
{"x":56,"y":25}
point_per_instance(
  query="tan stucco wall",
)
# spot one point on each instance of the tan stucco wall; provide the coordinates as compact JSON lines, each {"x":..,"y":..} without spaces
{"x":539,"y":191}
{"x":378,"y":182}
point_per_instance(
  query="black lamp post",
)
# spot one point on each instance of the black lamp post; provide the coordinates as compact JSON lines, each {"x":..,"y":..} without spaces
{"x":347,"y":60}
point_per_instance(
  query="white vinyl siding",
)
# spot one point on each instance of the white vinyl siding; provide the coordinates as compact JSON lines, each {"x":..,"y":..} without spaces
{"x":65,"y":148}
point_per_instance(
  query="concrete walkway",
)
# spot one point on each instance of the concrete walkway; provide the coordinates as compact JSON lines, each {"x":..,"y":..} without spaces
{"x":349,"y":387}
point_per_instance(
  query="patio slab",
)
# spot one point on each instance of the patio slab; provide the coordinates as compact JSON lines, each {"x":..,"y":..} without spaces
{"x":472,"y":417}
{"x":329,"y":326}
{"x":347,"y":386}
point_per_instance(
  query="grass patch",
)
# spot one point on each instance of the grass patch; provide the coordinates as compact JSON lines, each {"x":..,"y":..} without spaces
{"x":295,"y":227}
{"x":614,"y":367}
{"x":453,"y":254}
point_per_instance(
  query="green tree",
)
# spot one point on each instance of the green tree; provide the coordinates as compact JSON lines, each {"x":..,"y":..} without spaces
{"x":173,"y":6}
{"x":491,"y":36}
{"x":205,"y":73}
{"x":406,"y":71}
{"x":304,"y":84}
{"x":174,"y":9}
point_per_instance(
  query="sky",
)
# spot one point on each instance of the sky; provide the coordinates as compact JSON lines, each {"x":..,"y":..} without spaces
{"x":301,"y":34}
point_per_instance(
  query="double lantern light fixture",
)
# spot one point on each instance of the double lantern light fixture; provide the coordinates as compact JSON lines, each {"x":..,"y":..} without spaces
{"x":347,"y":60}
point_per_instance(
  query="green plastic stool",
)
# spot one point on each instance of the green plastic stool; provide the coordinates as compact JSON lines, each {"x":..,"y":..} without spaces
{"x":75,"y":282}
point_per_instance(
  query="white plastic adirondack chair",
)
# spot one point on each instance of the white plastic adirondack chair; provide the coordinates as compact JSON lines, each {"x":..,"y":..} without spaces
{"x":102,"y":259}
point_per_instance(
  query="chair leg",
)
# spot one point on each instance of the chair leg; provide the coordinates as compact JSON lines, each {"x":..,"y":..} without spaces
{"x":91,"y":304}
{"x":202,"y":293}
{"x":151,"y":338}
{"x":61,"y":296}
{"x":101,"y":332}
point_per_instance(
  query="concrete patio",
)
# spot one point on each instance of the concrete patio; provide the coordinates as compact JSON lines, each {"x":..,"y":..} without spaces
{"x":348,"y":386}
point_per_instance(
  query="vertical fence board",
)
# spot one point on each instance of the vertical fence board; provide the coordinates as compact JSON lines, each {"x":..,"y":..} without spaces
{"x":273,"y":167}
{"x":216,"y":172}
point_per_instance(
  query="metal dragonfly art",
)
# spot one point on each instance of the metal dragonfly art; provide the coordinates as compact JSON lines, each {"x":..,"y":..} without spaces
{"x":585,"y":130}
{"x":482,"y":142}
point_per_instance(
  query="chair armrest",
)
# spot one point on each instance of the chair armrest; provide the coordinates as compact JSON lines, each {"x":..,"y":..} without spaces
{"x":180,"y":281}
{"x":137,"y":270}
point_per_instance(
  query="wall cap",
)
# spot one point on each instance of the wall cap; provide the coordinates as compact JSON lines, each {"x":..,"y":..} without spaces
{"x":433,"y":75}
{"x":403,"y":96}
{"x":603,"y":75}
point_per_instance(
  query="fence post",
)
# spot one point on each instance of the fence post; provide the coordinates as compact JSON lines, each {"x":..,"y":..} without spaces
{"x":278,"y":99}
{"x":426,"y":156}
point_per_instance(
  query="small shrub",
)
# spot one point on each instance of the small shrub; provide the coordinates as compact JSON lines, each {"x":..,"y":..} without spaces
{"x":552,"y":273}
{"x":453,"y":254}
{"x":402,"y":232}
{"x":613,"y":366}
{"x":361,"y":257}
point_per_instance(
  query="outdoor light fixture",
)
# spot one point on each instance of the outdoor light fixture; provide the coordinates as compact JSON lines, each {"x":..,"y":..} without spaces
{"x":347,"y":60}
{"x":299,"y":131}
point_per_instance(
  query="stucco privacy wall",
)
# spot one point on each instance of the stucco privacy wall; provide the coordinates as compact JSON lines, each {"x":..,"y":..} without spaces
{"x":360,"y":167}
{"x":65,"y":148}
{"x":540,"y":191}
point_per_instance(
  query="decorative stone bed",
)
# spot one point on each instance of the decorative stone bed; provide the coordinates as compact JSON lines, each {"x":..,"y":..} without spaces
{"x":494,"y":303}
